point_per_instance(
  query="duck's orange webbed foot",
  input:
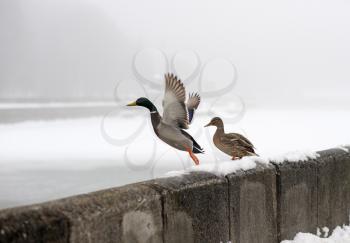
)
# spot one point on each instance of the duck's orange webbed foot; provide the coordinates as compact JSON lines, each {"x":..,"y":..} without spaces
{"x":193,"y":157}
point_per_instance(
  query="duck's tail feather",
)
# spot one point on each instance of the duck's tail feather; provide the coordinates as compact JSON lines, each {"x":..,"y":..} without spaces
{"x":197,"y":149}
{"x":252,"y":154}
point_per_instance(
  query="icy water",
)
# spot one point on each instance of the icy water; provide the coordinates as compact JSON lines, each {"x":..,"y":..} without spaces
{"x":78,"y":151}
{"x":27,"y":186}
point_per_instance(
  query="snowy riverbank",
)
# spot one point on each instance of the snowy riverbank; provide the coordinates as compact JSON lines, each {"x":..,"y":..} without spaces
{"x":43,"y":160}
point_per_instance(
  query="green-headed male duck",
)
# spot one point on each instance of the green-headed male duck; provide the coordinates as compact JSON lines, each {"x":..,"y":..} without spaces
{"x":176,"y":116}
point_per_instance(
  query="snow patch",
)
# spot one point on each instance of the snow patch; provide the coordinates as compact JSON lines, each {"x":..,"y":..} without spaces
{"x":339,"y":235}
{"x":223,"y":168}
{"x":326,"y":231}
{"x":342,"y":147}
{"x":294,"y":156}
{"x":318,"y":232}
{"x":174,"y":173}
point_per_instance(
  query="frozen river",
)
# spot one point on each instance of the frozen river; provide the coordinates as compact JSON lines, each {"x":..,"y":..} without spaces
{"x":77,"y":151}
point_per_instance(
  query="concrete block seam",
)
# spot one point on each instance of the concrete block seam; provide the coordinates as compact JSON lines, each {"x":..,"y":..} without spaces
{"x":278,"y":197}
{"x":160,"y":190}
{"x":229,"y":207}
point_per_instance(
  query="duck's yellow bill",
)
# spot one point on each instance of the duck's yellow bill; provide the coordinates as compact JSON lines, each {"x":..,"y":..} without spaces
{"x":132,"y":104}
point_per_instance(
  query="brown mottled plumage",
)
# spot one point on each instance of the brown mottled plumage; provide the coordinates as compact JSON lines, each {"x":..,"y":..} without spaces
{"x":233,"y":144}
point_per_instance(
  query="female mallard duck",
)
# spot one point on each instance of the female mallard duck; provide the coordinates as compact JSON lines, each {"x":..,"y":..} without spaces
{"x":233,"y":144}
{"x":176,"y":116}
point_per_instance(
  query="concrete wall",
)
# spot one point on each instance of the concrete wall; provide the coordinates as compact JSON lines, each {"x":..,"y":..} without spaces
{"x":264,"y":205}
{"x":253,"y":205}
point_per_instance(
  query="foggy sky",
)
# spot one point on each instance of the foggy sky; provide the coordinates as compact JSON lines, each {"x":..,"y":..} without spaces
{"x":285,"y":51}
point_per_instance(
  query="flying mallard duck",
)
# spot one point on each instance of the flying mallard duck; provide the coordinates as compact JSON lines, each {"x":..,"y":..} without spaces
{"x":233,"y":144}
{"x":176,"y":116}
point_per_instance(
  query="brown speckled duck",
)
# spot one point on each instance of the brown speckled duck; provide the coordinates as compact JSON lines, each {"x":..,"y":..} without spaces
{"x":233,"y":144}
{"x":177,"y":115}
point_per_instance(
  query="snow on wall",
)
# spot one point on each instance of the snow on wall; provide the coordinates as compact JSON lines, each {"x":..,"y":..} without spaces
{"x":223,"y":168}
{"x":339,"y":235}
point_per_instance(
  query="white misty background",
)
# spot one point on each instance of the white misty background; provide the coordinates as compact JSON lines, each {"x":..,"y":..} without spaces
{"x":63,"y":59}
{"x":287,"y":52}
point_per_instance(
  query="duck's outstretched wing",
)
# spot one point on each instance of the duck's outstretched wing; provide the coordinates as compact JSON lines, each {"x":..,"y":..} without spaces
{"x":174,"y":108}
{"x":192,"y":104}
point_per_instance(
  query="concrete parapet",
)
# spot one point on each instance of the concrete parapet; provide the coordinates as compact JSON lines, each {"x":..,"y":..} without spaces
{"x":126,"y":214}
{"x":333,"y":196}
{"x":195,"y":208}
{"x":253,"y":205}
{"x":267,"y":204}
{"x":296,"y":198}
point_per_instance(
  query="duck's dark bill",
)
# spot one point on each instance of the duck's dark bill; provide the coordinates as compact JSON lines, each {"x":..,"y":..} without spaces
{"x":209,"y":124}
{"x":132,"y":104}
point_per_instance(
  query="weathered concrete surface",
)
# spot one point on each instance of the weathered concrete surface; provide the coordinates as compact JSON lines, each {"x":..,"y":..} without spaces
{"x":333,"y":188}
{"x":296,"y":198}
{"x":264,"y":205}
{"x":126,"y":214}
{"x":253,"y":205}
{"x":195,"y":208}
{"x":33,"y":224}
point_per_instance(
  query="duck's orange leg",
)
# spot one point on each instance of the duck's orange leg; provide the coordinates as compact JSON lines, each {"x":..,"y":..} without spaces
{"x":193,"y":157}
